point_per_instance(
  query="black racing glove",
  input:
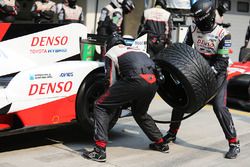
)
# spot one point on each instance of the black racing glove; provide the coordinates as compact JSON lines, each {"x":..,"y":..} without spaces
{"x":221,"y":64}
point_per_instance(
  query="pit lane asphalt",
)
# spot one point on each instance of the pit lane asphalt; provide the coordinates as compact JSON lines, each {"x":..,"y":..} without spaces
{"x":200,"y":142}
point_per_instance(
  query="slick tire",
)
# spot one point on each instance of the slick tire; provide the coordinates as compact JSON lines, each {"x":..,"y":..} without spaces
{"x":189,"y":80}
{"x":90,"y":90}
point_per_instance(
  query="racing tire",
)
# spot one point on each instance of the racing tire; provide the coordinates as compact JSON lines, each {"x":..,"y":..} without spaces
{"x":91,"y":89}
{"x":190,"y":83}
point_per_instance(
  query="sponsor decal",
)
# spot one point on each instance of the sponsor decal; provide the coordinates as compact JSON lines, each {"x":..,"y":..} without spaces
{"x":39,"y":76}
{"x":228,"y":41}
{"x":206,"y":44}
{"x":50,"y":88}
{"x":227,"y":45}
{"x":48,"y":41}
{"x":66,"y":74}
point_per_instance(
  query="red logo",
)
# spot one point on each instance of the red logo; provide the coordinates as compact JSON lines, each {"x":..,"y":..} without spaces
{"x":208,"y":44}
{"x":49,"y":41}
{"x":50,"y":88}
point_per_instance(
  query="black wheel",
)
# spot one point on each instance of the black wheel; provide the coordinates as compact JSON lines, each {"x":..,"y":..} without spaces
{"x":90,"y":90}
{"x":190,"y":82}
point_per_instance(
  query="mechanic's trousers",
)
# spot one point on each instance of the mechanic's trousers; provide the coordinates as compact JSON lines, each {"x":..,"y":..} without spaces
{"x":220,"y":109}
{"x":136,"y":90}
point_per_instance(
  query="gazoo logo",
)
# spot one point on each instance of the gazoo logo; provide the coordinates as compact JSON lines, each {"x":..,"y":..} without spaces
{"x":49,"y":41}
{"x":50,"y":88}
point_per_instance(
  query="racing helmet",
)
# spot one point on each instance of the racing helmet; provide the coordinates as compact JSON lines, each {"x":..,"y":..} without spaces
{"x":223,"y":6}
{"x":162,"y":3}
{"x":204,"y":15}
{"x":128,"y":6}
{"x":114,"y":39}
{"x":72,"y":3}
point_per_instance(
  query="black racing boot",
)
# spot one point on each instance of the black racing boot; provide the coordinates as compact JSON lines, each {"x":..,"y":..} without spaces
{"x":234,"y":150}
{"x":98,"y":154}
{"x":169,"y":137}
{"x":159,"y":147}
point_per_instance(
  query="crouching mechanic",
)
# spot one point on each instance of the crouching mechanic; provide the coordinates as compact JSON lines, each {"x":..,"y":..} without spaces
{"x":136,"y":85}
{"x":213,"y":43}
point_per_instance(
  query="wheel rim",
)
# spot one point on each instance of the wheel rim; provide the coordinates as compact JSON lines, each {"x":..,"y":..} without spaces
{"x":172,"y":91}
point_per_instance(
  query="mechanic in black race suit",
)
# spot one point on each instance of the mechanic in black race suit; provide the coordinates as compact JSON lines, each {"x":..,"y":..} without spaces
{"x":9,"y":10}
{"x":131,"y":78}
{"x":157,"y":22}
{"x":43,"y":11}
{"x":213,"y":43}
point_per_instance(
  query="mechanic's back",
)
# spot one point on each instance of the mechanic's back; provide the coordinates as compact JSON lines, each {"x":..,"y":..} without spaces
{"x":130,"y":61}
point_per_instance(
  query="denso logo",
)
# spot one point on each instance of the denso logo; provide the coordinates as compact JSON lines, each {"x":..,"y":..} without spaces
{"x":204,"y":43}
{"x":49,"y":41}
{"x":50,"y":88}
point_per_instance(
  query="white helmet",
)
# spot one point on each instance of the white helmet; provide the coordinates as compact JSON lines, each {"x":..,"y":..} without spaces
{"x":117,"y":3}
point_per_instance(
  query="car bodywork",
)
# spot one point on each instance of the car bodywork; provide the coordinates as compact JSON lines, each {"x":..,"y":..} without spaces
{"x":43,"y":76}
{"x":238,"y":91}
{"x":40,"y":69}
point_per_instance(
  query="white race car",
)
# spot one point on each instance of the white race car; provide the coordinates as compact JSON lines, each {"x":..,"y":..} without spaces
{"x":43,"y":80}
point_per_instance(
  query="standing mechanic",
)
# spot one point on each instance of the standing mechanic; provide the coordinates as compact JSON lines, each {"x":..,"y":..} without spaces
{"x":112,"y":16}
{"x":69,"y":12}
{"x":8,"y":10}
{"x":157,"y":22}
{"x":43,"y":11}
{"x":223,"y":7}
{"x":136,"y":84}
{"x":213,"y":42}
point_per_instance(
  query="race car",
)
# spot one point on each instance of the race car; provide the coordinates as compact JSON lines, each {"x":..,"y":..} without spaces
{"x":45,"y":83}
{"x":43,"y":80}
{"x":238,"y":91}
